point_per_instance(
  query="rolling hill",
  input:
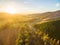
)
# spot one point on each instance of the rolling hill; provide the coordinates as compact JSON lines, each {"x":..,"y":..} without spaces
{"x":52,"y":28}
{"x":29,"y":27}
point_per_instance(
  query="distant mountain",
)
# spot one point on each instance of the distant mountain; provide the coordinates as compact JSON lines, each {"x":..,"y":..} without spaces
{"x":44,"y":17}
{"x":39,"y":17}
{"x":47,"y":14}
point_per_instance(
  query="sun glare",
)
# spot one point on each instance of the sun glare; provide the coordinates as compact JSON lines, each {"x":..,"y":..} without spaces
{"x":11,"y":10}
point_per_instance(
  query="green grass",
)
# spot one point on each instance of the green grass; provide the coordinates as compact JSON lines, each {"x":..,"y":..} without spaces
{"x":52,"y":28}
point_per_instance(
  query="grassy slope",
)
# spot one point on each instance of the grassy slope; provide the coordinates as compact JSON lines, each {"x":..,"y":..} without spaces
{"x":52,"y":28}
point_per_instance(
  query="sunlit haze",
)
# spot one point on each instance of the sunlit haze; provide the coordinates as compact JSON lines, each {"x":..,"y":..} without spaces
{"x":29,"y":6}
{"x":11,"y":9}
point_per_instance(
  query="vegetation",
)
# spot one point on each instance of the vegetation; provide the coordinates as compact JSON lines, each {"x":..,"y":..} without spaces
{"x":27,"y":36}
{"x":23,"y":30}
{"x":52,"y":28}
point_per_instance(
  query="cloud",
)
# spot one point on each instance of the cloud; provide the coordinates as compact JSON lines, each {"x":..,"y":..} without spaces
{"x":26,"y":2}
{"x":6,"y":0}
{"x":57,"y":4}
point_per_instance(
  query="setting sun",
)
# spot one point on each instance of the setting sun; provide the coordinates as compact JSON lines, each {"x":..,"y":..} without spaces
{"x":10,"y":9}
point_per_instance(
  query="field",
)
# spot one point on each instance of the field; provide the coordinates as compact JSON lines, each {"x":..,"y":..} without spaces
{"x":27,"y":30}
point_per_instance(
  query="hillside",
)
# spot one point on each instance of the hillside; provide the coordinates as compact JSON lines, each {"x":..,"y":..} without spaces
{"x":20,"y":29}
{"x":31,"y":17}
{"x":52,"y":28}
{"x":53,"y":14}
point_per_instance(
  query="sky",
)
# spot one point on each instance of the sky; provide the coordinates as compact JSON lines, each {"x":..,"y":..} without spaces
{"x":29,"y":6}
